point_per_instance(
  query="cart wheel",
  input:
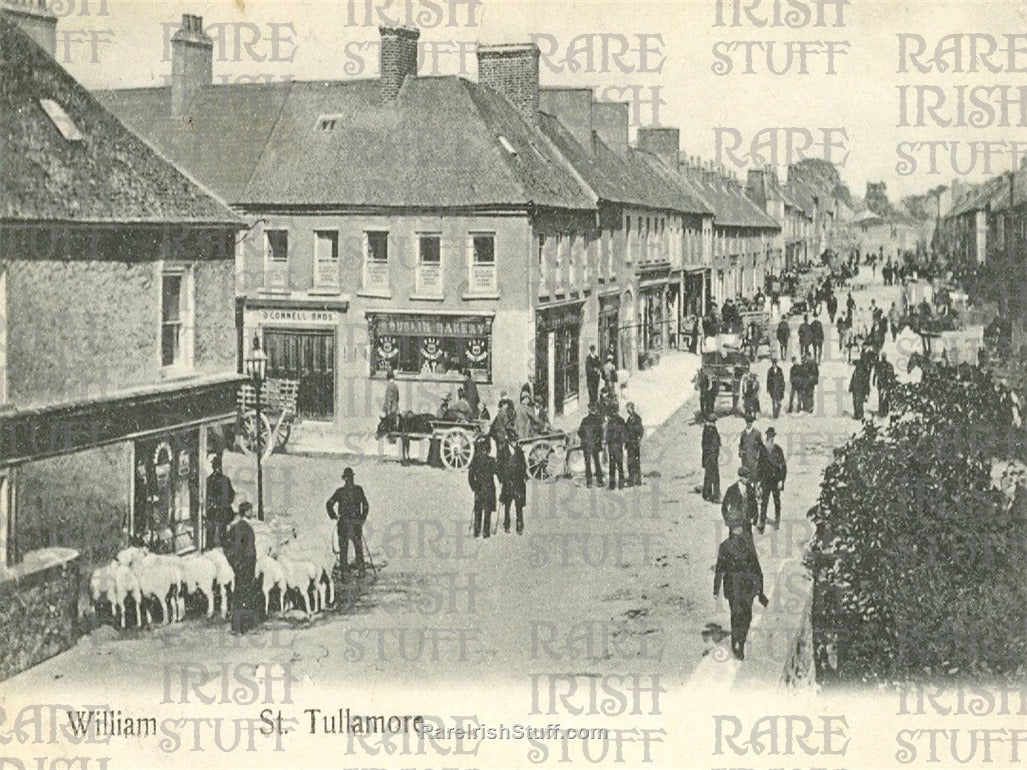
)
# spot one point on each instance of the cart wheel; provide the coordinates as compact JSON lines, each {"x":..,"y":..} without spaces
{"x":457,"y":447}
{"x":541,"y":458}
{"x":248,"y":437}
{"x":282,"y":436}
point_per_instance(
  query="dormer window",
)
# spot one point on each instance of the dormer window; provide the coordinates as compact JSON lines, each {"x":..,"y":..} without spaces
{"x":506,"y":145}
{"x":61,"y":121}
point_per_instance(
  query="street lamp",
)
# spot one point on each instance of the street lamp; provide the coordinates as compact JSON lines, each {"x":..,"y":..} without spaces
{"x":256,"y":367}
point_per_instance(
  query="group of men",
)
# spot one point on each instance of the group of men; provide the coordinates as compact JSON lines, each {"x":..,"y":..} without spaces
{"x":619,"y":436}
{"x":761,"y":478}
{"x":510,"y":468}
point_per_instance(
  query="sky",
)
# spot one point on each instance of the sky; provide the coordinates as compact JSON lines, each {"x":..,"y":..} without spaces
{"x":671,"y":59}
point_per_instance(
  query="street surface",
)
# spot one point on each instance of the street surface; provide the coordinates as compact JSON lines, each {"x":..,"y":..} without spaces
{"x":600,"y":582}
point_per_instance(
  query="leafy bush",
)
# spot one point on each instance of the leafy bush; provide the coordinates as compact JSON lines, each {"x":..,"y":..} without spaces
{"x":920,"y":561}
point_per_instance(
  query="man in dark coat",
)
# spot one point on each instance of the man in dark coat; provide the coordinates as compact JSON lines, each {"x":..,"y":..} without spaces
{"x":784,"y":333}
{"x":811,"y":378}
{"x":775,"y":386}
{"x":740,"y":506}
{"x":503,"y":423}
{"x":241,"y":552}
{"x":884,"y":378}
{"x":859,"y":387}
{"x":702,"y":384}
{"x":633,"y":444}
{"x":832,"y":306}
{"x":772,"y":475}
{"x":749,"y":445}
{"x":591,"y":434}
{"x":220,"y":496}
{"x":471,"y":393}
{"x":795,"y":384}
{"x":805,"y":337}
{"x":513,"y":470}
{"x":348,"y":507}
{"x":817,"y":329}
{"x":593,"y":374}
{"x":481,"y":476}
{"x":711,"y":460}
{"x":738,"y":571}
{"x":616,"y":433}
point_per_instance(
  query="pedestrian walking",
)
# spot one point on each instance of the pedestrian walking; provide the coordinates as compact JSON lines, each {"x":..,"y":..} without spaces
{"x":616,"y":432}
{"x":859,"y":387}
{"x":711,"y":460}
{"x":740,"y":506}
{"x":220,"y":496}
{"x":390,"y":405}
{"x":817,"y":330}
{"x":805,"y":337}
{"x":775,"y":386}
{"x":749,"y":445}
{"x":348,"y":508}
{"x":773,"y":472}
{"x":241,"y":553}
{"x":593,"y":374}
{"x":503,"y":424}
{"x":784,"y":332}
{"x":739,"y":575}
{"x":634,"y":431}
{"x":590,"y":432}
{"x":750,"y":386}
{"x":481,"y":476}
{"x":695,"y":339}
{"x":894,"y":318}
{"x":610,"y":372}
{"x":513,"y":471}
{"x":884,"y":379}
{"x":795,"y":384}
{"x":832,"y":306}
{"x":702,"y":383}
{"x":811,"y":378}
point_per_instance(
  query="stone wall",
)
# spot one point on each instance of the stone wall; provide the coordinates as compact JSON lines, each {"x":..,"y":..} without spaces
{"x":37,"y":615}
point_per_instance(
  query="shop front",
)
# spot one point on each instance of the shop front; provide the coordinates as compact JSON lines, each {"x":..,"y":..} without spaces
{"x":430,"y":346}
{"x":654,"y":323}
{"x":557,"y":355}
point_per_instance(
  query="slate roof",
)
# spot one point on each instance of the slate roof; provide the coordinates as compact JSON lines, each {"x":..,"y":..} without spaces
{"x":981,"y":196}
{"x":733,"y":208}
{"x":685,"y":196}
{"x":437,"y":145}
{"x":109,"y":175}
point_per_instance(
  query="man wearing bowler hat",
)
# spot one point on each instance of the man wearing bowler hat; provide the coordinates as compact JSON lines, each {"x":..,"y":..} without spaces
{"x":348,"y":506}
{"x":773,"y":469}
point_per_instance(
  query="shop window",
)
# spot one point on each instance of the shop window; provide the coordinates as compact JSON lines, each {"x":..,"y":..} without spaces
{"x":431,"y":346}
{"x":166,"y":506}
{"x":176,"y":318}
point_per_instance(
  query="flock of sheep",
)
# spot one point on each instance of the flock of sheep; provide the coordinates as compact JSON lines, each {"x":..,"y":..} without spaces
{"x":152,"y":580}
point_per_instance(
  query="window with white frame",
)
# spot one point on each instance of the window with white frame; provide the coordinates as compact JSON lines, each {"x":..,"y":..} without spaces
{"x":429,"y":263}
{"x":376,"y":260}
{"x":482,"y":278}
{"x":176,"y":313}
{"x":326,"y":258}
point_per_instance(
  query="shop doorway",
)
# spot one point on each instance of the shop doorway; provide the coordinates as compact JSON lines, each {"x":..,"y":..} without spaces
{"x":307,"y":355}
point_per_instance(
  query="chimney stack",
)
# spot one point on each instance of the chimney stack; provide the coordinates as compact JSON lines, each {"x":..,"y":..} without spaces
{"x":192,"y":63}
{"x":397,"y":59}
{"x":573,"y":108}
{"x":758,"y":186}
{"x":512,"y":70}
{"x":35,"y":19}
{"x":610,"y":121}
{"x":661,"y":142}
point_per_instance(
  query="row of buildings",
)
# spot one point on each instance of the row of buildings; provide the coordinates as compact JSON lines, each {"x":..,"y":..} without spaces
{"x":426,"y":225}
{"x":413,"y":224}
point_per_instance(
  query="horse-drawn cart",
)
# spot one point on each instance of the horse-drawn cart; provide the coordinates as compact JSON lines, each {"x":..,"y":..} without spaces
{"x":277,"y":414}
{"x":546,"y":455}
{"x":452,"y":439}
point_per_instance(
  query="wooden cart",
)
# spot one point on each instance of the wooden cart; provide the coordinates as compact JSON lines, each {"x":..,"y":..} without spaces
{"x":546,"y":455}
{"x":277,"y":415}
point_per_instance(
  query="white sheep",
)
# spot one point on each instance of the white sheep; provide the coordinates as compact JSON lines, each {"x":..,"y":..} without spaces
{"x":299,"y":575}
{"x":270,"y":535}
{"x":152,"y":570}
{"x":270,"y":573}
{"x":324,"y":558}
{"x":224,"y":575}
{"x":115,"y":582}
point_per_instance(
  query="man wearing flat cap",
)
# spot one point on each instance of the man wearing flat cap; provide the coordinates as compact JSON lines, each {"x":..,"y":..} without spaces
{"x":348,"y":507}
{"x":740,"y":507}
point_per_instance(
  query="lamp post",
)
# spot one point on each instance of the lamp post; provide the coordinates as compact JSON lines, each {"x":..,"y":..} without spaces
{"x":256,"y":367}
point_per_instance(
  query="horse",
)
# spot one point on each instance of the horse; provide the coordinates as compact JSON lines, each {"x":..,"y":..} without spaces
{"x":405,"y":423}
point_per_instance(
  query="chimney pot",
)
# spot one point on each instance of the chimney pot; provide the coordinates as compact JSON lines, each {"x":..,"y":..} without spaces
{"x":512,"y":70}
{"x":397,"y":59}
{"x":192,"y":63}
